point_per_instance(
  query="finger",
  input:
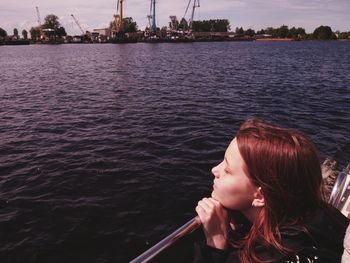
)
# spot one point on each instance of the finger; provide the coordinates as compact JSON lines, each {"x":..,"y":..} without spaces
{"x":203,"y":203}
{"x":209,"y":203}
{"x":201,"y":213}
{"x":214,"y":202}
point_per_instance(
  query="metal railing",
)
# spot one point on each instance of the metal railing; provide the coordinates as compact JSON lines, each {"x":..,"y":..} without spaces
{"x":187,"y":228}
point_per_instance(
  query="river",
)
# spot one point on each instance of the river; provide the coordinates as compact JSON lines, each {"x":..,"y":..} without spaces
{"x":105,"y":149}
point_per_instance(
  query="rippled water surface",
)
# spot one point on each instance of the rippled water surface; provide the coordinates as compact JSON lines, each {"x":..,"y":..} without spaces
{"x":105,"y":149}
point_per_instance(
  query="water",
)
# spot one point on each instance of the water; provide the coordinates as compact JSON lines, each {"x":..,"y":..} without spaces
{"x":105,"y":149}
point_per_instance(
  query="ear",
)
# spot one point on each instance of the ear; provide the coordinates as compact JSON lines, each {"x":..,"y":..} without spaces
{"x":259,"y":200}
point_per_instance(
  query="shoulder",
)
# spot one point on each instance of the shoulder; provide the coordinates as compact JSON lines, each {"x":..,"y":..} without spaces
{"x":319,"y":237}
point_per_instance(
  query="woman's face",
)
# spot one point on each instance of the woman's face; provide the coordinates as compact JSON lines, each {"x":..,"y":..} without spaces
{"x":232,"y":187}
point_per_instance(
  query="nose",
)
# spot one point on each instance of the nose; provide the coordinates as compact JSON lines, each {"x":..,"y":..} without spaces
{"x":215,"y":171}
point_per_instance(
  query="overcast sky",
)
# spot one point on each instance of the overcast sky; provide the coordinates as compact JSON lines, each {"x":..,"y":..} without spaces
{"x":255,"y":14}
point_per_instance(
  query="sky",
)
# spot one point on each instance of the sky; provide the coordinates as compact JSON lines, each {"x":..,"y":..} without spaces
{"x":255,"y":14}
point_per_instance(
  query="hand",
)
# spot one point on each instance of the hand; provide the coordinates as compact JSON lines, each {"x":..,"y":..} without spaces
{"x":215,"y":221}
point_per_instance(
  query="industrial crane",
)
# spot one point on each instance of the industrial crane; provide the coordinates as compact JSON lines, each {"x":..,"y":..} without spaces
{"x":118,"y":17}
{"x":39,"y":22}
{"x":195,"y":5}
{"x":85,"y":33}
{"x":77,"y":22}
{"x":152,"y":17}
{"x":153,"y":6}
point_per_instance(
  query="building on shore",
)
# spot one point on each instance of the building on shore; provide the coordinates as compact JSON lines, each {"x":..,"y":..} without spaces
{"x":101,"y":34}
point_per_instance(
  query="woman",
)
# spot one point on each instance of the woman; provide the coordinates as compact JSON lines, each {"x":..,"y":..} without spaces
{"x":267,"y":202}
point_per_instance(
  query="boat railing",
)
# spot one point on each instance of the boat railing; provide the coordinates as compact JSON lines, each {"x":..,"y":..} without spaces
{"x":184,"y":230}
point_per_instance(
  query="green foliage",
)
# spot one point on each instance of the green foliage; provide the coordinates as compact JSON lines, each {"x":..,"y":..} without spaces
{"x":35,"y":33}
{"x":3,"y":33}
{"x":260,"y":32}
{"x":25,"y":34}
{"x":343,"y":35}
{"x":183,"y":24}
{"x":51,"y":22}
{"x":15,"y":32}
{"x":61,"y":32}
{"x":217,"y":25}
{"x":249,"y":32}
{"x":239,"y":31}
{"x":52,"y":27}
{"x":323,"y":32}
{"x":296,"y":32}
{"x":282,"y":32}
{"x":129,"y":25}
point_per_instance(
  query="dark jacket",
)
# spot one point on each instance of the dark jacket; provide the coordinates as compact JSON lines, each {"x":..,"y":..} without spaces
{"x":324,"y":242}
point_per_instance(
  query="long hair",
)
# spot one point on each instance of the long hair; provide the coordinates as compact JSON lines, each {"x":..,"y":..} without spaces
{"x":285,"y":164}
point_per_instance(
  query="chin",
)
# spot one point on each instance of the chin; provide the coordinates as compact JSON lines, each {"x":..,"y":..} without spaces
{"x":213,"y":195}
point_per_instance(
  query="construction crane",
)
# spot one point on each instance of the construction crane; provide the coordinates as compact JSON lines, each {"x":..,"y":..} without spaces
{"x":77,"y":22}
{"x":84,"y":33}
{"x":118,"y":17}
{"x":195,"y":5}
{"x":154,"y":26}
{"x":39,"y":22}
{"x":152,"y":17}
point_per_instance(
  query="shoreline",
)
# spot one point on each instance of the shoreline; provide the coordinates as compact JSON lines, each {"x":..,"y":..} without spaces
{"x":28,"y":42}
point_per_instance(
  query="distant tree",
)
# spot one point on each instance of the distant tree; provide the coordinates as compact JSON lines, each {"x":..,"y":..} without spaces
{"x":222,"y":25}
{"x":296,"y":32}
{"x":25,"y":34}
{"x":344,"y":35}
{"x":3,"y":33}
{"x":323,"y":32}
{"x":51,"y":22}
{"x":52,"y":27}
{"x":35,"y":33}
{"x":271,"y":31}
{"x":15,"y":32}
{"x":239,"y":31}
{"x":201,"y":26}
{"x":249,"y":32}
{"x":183,"y":24}
{"x":283,"y":31}
{"x":61,"y":32}
{"x":129,"y":25}
{"x":260,"y":32}
{"x":217,"y":25}
{"x":301,"y":32}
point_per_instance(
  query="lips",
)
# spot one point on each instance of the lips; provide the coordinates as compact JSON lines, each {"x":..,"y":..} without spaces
{"x":214,"y":185}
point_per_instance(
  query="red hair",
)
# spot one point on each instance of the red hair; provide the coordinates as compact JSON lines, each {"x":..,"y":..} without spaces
{"x":285,"y":164}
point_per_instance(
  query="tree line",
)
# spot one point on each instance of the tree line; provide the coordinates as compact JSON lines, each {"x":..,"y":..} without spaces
{"x":3,"y":34}
{"x":51,"y":29}
{"x":321,"y":33}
